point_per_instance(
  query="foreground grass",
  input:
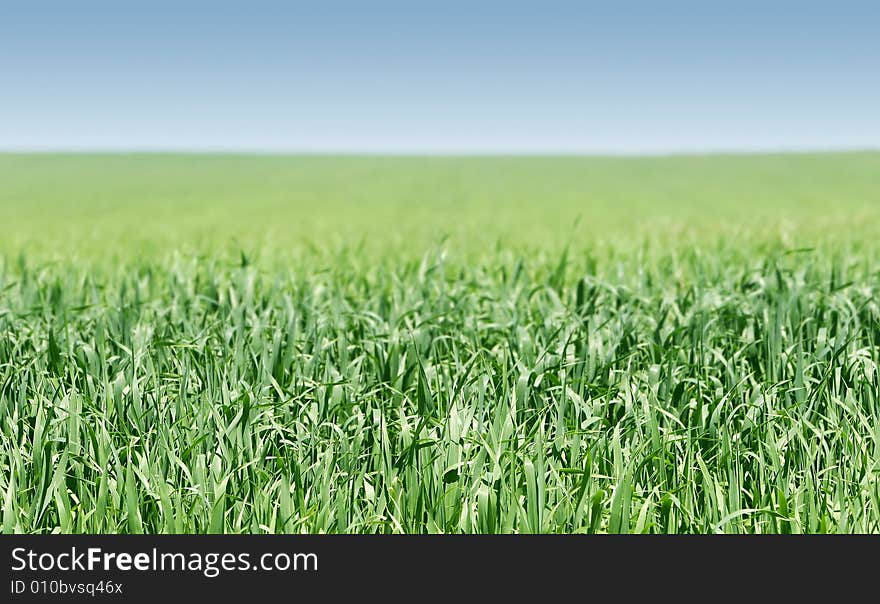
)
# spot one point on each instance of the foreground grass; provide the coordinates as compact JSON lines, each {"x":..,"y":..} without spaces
{"x":628,"y":381}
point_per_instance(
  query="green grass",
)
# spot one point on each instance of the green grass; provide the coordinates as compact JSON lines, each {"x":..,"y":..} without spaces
{"x":343,"y":344}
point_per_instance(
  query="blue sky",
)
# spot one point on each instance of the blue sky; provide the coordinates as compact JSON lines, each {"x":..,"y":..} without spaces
{"x":445,"y":77}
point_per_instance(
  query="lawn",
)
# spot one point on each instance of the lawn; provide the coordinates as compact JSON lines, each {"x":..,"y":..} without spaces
{"x":210,"y":343}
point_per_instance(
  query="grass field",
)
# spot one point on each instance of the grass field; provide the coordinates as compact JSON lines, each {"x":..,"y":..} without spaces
{"x":375,"y":344}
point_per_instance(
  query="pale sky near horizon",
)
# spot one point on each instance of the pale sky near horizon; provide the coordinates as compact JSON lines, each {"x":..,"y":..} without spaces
{"x":440,"y":77}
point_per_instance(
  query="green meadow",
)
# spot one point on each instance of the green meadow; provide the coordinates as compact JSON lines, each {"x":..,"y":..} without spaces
{"x":368,"y":344}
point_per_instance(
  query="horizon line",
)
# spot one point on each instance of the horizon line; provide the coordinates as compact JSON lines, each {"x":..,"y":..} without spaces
{"x":597,"y":153}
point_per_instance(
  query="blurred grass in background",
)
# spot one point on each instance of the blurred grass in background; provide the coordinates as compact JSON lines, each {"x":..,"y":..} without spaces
{"x":121,"y":205}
